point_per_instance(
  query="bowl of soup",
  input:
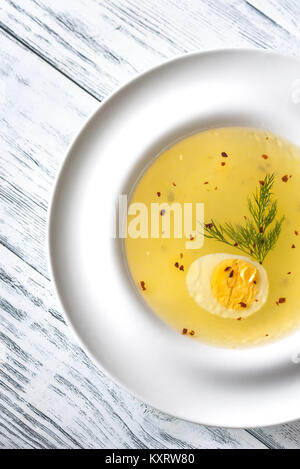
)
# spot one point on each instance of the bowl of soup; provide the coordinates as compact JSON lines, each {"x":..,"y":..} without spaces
{"x":174,"y":237}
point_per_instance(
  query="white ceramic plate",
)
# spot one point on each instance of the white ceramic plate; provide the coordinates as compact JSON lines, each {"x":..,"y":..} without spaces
{"x":253,"y":387}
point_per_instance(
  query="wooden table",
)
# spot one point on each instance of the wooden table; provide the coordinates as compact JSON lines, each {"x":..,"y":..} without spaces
{"x":58,"y":60}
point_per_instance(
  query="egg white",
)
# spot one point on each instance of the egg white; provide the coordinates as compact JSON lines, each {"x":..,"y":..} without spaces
{"x":198,"y":282}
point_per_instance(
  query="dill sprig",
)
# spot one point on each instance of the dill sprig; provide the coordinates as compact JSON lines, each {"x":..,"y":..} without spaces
{"x":256,"y":237}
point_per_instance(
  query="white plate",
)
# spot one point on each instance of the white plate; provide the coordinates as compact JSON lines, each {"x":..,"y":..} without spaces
{"x":253,"y":387}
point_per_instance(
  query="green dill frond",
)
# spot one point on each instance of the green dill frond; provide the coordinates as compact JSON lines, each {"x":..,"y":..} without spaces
{"x":255,"y":238}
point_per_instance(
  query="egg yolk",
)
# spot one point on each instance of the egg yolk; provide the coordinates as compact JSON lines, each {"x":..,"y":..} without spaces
{"x":234,"y":283}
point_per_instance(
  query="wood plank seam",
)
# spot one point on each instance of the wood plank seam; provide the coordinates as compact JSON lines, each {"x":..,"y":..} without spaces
{"x":11,"y":34}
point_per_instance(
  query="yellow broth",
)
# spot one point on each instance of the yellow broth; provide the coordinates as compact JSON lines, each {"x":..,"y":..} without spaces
{"x":191,"y":171}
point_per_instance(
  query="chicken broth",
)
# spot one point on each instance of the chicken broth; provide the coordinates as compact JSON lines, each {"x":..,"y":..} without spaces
{"x":252,"y":300}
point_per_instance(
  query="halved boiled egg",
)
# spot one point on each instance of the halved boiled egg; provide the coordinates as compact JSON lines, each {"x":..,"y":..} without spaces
{"x":227,"y":285}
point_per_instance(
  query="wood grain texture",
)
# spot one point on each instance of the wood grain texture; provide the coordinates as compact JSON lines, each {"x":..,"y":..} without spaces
{"x":58,"y":59}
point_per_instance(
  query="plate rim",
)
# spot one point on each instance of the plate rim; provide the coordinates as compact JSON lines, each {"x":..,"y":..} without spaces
{"x":50,"y":217}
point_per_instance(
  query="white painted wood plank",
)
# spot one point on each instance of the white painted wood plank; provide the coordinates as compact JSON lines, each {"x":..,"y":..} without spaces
{"x":34,"y":135}
{"x":285,"y":13}
{"x":51,"y":394}
{"x":101,"y":44}
{"x":280,"y":436}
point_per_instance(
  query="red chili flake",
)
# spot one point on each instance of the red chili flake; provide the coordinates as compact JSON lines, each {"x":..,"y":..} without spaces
{"x":223,"y":163}
{"x":238,"y":319}
{"x":231,"y":274}
{"x":143,"y":285}
{"x":224,"y":154}
{"x":296,"y":232}
{"x":254,"y":281}
{"x":267,"y":335}
{"x":265,"y":157}
{"x":158,"y":194}
{"x":227,"y":268}
{"x":181,"y":267}
{"x":243,"y":305}
{"x":181,"y":255}
{"x":235,"y":244}
{"x":285,"y":178}
{"x":209,"y":225}
{"x":192,"y":332}
{"x":262,"y":183}
{"x":174,"y":184}
{"x":176,"y":264}
{"x":191,"y":237}
{"x":293,"y":246}
{"x":206,"y":182}
{"x":282,"y":300}
{"x":289,"y":273}
{"x":184,"y":331}
{"x":162,"y":212}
